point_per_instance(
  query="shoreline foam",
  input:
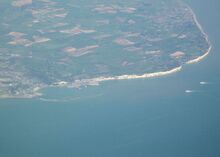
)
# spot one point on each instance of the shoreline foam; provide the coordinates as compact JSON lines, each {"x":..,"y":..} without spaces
{"x":134,"y":76}
{"x":96,"y":81}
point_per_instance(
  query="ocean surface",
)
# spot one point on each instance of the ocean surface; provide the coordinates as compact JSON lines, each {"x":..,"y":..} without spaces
{"x":172,"y":116}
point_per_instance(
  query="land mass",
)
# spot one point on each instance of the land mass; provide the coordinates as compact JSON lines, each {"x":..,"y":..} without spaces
{"x":66,"y":44}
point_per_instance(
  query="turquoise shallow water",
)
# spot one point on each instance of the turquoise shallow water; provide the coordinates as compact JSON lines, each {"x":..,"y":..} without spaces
{"x":151,"y":117}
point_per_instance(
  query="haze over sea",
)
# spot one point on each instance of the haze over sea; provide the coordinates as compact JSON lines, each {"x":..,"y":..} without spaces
{"x":171,"y":116}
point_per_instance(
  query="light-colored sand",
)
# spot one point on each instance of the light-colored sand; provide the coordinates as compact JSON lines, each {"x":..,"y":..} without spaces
{"x":206,"y":37}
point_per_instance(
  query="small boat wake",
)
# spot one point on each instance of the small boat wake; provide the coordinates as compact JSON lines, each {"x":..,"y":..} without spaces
{"x":205,"y":83}
{"x":189,"y":91}
{"x":192,"y":91}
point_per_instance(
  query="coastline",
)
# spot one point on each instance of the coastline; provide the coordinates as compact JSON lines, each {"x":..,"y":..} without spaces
{"x":198,"y":59}
{"x":97,"y":80}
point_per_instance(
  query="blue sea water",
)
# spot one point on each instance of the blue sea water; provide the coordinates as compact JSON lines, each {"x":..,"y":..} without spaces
{"x":135,"y":118}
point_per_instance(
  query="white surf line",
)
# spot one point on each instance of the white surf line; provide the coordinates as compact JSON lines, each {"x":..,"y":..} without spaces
{"x":96,"y":81}
{"x":198,"y":59}
{"x":146,"y":75}
{"x":206,"y":37}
